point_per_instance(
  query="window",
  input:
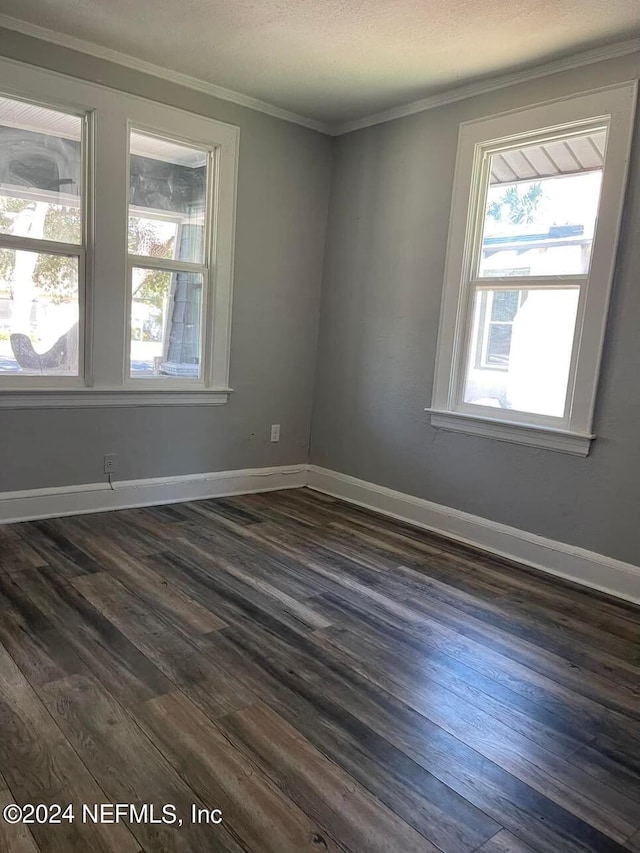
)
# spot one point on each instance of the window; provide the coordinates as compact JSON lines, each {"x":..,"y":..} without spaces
{"x":116,"y":247}
{"x":42,"y":240}
{"x":533,"y":231}
{"x":494,"y":324}
{"x":168,"y":255}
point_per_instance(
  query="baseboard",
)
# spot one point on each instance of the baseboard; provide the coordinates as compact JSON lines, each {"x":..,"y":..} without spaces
{"x":557,"y":558}
{"x":99,"y":497}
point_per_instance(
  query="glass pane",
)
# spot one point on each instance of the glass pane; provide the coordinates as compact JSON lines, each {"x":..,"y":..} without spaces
{"x":40,"y":172}
{"x":504,"y":304}
{"x":38,"y":313}
{"x":523,"y":364}
{"x":499,"y":344}
{"x":542,"y":207}
{"x":168,"y":183}
{"x":166,"y":312}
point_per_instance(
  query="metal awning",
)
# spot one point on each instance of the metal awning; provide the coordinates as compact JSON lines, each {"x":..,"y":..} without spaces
{"x":570,"y":156}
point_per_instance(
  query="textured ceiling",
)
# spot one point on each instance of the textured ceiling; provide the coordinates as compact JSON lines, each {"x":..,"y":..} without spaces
{"x":336,"y":60}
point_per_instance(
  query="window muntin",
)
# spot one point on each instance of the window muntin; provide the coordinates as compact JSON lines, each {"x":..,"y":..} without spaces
{"x":99,"y":245}
{"x":168,"y":220}
{"x":42,"y":240}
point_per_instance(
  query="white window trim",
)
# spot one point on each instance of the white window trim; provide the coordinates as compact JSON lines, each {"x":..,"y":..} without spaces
{"x":205,"y":267}
{"x":82,"y":251}
{"x":573,"y":433}
{"x":103,"y":278}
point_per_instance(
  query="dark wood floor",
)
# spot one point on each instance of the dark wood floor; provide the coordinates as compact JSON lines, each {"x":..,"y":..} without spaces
{"x":329,"y":679}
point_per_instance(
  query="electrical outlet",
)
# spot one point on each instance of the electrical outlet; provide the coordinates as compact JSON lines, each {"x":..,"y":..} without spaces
{"x":275,"y":432}
{"x":110,"y":462}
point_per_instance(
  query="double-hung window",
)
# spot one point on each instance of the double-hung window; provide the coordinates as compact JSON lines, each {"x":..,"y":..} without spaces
{"x":116,"y":246}
{"x":534,"y":224}
{"x":168,"y":239}
{"x":43,"y":238}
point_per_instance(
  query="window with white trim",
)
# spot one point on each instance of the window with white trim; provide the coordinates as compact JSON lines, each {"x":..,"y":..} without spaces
{"x":42,"y":240}
{"x":116,"y":246}
{"x":168,"y":228}
{"x":534,"y":224}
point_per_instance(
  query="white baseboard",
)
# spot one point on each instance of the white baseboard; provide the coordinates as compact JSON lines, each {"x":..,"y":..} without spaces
{"x":99,"y":497}
{"x":556,"y":558}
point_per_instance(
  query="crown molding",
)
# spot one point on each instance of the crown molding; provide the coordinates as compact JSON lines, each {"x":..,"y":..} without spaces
{"x":448,"y":96}
{"x":483,"y":87}
{"x":135,"y":64}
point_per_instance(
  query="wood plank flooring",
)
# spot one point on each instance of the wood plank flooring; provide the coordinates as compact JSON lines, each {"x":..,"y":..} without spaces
{"x":329,"y":679}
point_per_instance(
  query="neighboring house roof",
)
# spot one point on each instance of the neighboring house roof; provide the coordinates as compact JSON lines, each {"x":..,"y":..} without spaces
{"x":557,"y":235}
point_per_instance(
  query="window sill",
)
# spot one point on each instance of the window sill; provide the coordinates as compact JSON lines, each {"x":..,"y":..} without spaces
{"x":89,"y":398}
{"x":575,"y":443}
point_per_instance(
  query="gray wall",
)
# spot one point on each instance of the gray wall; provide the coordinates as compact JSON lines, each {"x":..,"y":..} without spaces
{"x":383,"y":271}
{"x":284,"y":178}
{"x":383,"y":274}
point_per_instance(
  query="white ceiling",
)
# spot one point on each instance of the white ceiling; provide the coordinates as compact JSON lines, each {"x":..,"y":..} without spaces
{"x":338,"y":60}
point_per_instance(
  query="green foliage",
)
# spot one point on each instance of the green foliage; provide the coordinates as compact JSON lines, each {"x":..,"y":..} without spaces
{"x":144,"y":239}
{"x":9,"y":206}
{"x":6,"y":265}
{"x":63,"y":224}
{"x":56,"y":276}
{"x":520,"y":206}
{"x":153,"y":287}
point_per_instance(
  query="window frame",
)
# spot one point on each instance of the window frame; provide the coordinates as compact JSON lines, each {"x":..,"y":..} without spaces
{"x":205,"y":268}
{"x":612,"y":107}
{"x":81,"y":251}
{"x":103,"y":281}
